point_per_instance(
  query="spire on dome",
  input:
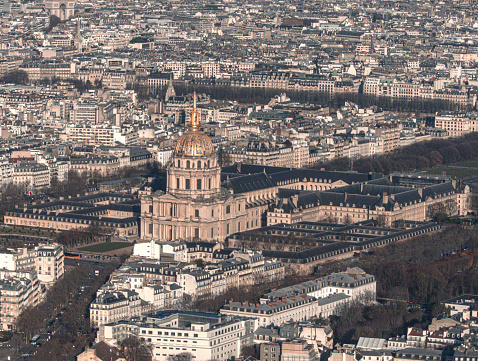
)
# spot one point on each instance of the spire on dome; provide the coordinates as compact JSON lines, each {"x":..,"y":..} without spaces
{"x":194,"y":123}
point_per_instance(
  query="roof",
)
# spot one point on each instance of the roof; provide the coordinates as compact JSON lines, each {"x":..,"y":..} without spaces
{"x":107,"y":353}
{"x":370,"y":343}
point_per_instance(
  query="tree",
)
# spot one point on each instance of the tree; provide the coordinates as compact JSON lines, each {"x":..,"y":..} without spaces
{"x":135,"y":349}
{"x":451,"y":207}
{"x":437,"y":211}
{"x":15,"y":77}
{"x":250,"y":350}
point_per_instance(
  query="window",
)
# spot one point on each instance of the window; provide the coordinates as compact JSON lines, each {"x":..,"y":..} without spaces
{"x":209,"y":183}
{"x":228,"y":209}
{"x":212,"y":232}
{"x":196,"y":232}
{"x":188,"y":184}
{"x":239,"y":207}
{"x":195,"y":335}
{"x":227,"y":228}
{"x":199,"y":164}
{"x":188,"y":164}
{"x":199,"y":184}
{"x":150,"y":228}
{"x":196,"y":213}
{"x":179,"y":163}
{"x":150,"y":209}
{"x":212,"y":213}
{"x":238,"y":226}
{"x":208,"y":164}
{"x":177,"y":183}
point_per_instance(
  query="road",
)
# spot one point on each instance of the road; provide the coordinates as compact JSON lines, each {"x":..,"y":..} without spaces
{"x":17,"y":345}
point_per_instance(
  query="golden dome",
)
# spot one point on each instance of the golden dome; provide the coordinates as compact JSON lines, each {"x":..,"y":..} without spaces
{"x":194,"y":142}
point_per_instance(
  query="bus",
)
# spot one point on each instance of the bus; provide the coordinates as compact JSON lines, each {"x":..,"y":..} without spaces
{"x":70,"y":255}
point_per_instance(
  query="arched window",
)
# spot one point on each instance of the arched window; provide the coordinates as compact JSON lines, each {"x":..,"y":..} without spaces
{"x":199,"y":164}
{"x":228,"y":209}
{"x":188,"y":164}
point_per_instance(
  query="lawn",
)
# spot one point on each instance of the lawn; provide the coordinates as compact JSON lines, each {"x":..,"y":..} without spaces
{"x":453,"y":172}
{"x":105,"y":247}
{"x":471,"y":163}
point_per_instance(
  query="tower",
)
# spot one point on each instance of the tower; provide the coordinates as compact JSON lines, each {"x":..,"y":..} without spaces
{"x":78,"y":38}
{"x":170,"y":92}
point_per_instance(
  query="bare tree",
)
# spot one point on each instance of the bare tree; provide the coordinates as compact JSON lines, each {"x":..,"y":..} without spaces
{"x":451,"y":207}
{"x":135,"y":349}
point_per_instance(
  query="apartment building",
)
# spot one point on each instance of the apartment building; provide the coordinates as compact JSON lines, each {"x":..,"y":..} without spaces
{"x":102,"y":165}
{"x":390,"y":137}
{"x":49,"y":263}
{"x":6,"y":172}
{"x":457,"y":124}
{"x":40,"y":71}
{"x":244,"y":269}
{"x":31,"y":175}
{"x":18,"y":291}
{"x":114,"y":306}
{"x":205,"y":336}
{"x":18,"y":259}
{"x":322,"y":297}
{"x":277,"y":312}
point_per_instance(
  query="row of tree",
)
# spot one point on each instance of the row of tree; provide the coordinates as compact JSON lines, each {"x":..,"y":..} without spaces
{"x":428,"y":268}
{"x":424,"y":270}
{"x":80,"y":236}
{"x":75,"y":334}
{"x":34,"y":319}
{"x":249,"y":95}
{"x":416,"y":156}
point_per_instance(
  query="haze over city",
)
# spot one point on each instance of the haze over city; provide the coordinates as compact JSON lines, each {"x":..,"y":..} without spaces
{"x":238,"y":181}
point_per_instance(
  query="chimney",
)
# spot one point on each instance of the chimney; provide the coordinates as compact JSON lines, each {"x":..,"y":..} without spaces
{"x":295,"y":199}
{"x":385,"y":198}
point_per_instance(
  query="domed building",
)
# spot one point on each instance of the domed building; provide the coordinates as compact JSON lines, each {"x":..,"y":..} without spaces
{"x":194,"y":206}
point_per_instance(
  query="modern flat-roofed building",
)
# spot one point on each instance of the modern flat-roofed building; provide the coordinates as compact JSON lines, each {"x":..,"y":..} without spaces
{"x":205,"y":336}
